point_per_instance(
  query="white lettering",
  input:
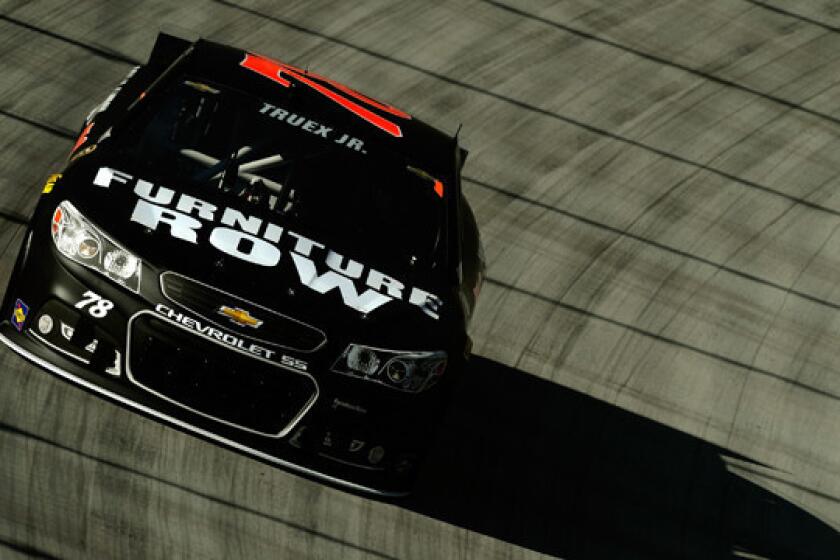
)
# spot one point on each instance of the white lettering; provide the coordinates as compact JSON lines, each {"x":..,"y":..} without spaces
{"x":164,"y":196}
{"x":304,"y":245}
{"x":210,"y":332}
{"x":106,"y":175}
{"x":279,"y":114}
{"x":273,"y":233}
{"x":429,"y":303}
{"x":234,"y":218}
{"x":242,"y":239}
{"x":180,"y":225}
{"x":377,"y":280}
{"x":365,"y":302}
{"x":187,"y":204}
{"x":353,"y":269}
{"x":245,"y":246}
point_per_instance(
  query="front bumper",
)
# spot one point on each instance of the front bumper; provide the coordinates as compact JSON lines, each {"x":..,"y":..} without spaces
{"x":58,"y":368}
{"x":349,"y":433}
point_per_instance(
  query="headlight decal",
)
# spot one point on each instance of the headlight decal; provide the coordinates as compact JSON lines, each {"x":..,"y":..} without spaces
{"x":410,"y":371}
{"x":82,"y":242}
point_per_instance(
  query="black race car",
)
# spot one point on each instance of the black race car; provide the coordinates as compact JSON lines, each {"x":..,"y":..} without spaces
{"x":261,"y":256}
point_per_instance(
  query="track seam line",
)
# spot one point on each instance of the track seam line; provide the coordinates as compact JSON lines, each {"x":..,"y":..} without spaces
{"x":664,"y":61}
{"x":661,"y":338}
{"x":793,"y":15}
{"x":56,"y":130}
{"x":107,"y":54}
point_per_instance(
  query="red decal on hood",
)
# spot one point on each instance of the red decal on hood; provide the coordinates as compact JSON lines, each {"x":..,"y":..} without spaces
{"x":273,"y":70}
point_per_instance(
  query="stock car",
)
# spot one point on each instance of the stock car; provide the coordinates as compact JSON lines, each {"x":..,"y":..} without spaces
{"x":258,"y":255}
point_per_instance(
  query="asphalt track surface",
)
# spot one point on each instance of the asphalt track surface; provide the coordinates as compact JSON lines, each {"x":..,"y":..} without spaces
{"x":656,"y":375}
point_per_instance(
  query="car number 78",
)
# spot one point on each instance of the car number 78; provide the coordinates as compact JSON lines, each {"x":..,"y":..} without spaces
{"x":99,"y":306}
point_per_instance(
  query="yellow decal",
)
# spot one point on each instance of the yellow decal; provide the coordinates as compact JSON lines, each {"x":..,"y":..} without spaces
{"x":239,"y":316}
{"x":51,"y":181}
{"x":201,"y":87}
{"x":83,"y":153}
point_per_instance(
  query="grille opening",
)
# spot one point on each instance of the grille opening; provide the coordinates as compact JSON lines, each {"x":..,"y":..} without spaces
{"x":216,"y":381}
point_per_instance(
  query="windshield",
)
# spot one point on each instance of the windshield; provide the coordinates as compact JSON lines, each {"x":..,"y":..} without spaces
{"x":311,"y":174}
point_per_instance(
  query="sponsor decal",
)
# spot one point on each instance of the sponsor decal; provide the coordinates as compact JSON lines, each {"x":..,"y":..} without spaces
{"x":211,"y":332}
{"x":67,"y":331}
{"x":312,"y":127}
{"x":115,"y":369}
{"x":45,"y":324}
{"x":239,"y":316}
{"x":338,"y":403}
{"x":351,"y":100}
{"x":82,"y":153}
{"x":19,"y":313}
{"x":51,"y":181}
{"x":437,"y":184}
{"x":202,"y":87}
{"x":258,"y":242}
{"x":83,"y":137}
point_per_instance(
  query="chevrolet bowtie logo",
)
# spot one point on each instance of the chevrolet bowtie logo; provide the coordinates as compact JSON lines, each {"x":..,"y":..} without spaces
{"x":239,"y":316}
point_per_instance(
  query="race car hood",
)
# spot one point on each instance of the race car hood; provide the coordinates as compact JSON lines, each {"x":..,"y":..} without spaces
{"x":252,"y":253}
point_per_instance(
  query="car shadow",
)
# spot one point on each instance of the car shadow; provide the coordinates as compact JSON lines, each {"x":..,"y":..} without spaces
{"x":541,"y":466}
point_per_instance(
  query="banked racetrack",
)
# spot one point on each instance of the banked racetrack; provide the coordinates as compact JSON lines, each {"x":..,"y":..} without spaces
{"x":656,"y":373}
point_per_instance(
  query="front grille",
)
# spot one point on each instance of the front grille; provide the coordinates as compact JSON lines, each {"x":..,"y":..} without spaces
{"x":214,"y":381}
{"x":275,"y":329}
